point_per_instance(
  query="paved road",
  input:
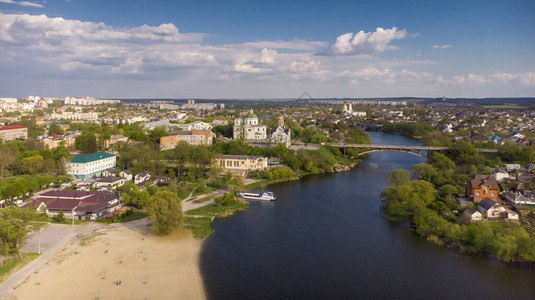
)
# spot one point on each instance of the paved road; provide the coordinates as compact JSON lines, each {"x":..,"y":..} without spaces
{"x":53,"y":239}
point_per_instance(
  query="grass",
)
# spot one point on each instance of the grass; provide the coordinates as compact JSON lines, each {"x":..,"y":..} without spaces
{"x":203,"y":199}
{"x":200,"y":227}
{"x":216,"y":210}
{"x":67,"y":221}
{"x":14,"y":264}
{"x":133,"y":216}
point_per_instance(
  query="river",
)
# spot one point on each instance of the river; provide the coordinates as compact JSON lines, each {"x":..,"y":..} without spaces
{"x":325,"y":237}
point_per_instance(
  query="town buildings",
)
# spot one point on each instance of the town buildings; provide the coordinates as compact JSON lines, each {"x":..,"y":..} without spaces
{"x":93,"y":164}
{"x":482,"y":187}
{"x":79,"y":205}
{"x":241,"y":162}
{"x":88,"y":116}
{"x":13,"y":132}
{"x":248,"y":128}
{"x":193,"y":137}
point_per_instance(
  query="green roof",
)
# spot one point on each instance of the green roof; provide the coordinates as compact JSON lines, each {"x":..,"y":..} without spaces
{"x":251,"y":115}
{"x":85,"y":158}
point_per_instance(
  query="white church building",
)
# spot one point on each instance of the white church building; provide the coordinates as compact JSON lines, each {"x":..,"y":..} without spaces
{"x":281,"y":134}
{"x":248,"y":128}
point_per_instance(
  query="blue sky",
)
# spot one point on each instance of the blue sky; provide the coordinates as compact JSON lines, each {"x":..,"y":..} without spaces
{"x":257,"y":49}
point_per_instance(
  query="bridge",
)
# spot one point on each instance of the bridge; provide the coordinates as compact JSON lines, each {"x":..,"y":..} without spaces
{"x":415,"y":150}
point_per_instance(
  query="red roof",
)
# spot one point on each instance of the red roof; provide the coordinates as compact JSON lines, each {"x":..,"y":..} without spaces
{"x":9,"y":127}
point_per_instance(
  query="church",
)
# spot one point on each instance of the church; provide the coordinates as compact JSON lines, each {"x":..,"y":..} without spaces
{"x":281,"y":134}
{"x":248,"y":128}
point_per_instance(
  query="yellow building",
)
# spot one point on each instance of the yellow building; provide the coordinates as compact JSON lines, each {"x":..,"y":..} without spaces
{"x":242,"y":162}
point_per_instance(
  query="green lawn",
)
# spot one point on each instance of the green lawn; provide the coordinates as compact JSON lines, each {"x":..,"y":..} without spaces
{"x":216,"y":210}
{"x":14,"y":264}
{"x":200,"y":227}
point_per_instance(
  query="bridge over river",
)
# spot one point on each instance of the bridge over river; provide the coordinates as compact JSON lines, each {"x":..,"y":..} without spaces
{"x":422,"y":151}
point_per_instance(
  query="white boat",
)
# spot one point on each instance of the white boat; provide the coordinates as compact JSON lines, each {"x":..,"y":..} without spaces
{"x":268,"y":196}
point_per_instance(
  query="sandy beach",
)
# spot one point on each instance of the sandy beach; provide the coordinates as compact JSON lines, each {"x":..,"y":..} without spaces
{"x":148,"y":266}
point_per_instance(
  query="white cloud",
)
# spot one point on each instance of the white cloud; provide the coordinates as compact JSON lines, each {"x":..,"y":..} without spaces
{"x":155,"y":60}
{"x":366,"y":42}
{"x":441,"y":46}
{"x":528,"y":79}
{"x":22,"y":3}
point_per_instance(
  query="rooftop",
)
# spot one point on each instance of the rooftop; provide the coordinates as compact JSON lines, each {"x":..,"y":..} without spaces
{"x":11,"y":127}
{"x":85,"y":158}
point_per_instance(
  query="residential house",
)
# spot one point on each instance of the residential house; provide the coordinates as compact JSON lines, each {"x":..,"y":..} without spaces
{"x":471,"y":214}
{"x":126,"y":175}
{"x":109,"y":182}
{"x":491,"y":209}
{"x":142,"y":177}
{"x":482,"y":187}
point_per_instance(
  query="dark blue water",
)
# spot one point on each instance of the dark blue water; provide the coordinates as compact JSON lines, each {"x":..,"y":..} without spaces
{"x":325,"y":237}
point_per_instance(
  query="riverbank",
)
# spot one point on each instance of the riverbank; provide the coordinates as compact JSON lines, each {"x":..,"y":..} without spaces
{"x":147,"y":266}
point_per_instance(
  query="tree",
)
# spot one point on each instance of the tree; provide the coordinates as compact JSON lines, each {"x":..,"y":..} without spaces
{"x":425,"y":171}
{"x":165,"y":211}
{"x":237,"y":183}
{"x":86,"y":143}
{"x":225,"y":200}
{"x":15,"y":223}
{"x":55,"y":129}
{"x":398,"y":177}
{"x":60,"y":217}
{"x":8,"y":157}
{"x":33,"y":165}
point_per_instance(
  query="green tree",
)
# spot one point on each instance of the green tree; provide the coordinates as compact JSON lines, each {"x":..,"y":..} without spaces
{"x":165,"y":211}
{"x":398,"y":177}
{"x":425,"y":171}
{"x":86,"y":143}
{"x":55,"y":129}
{"x":8,"y":157}
{"x":237,"y":183}
{"x":33,"y":165}
{"x":15,"y":223}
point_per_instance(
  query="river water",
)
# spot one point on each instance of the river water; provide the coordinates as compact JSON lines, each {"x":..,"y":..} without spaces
{"x":325,"y":237}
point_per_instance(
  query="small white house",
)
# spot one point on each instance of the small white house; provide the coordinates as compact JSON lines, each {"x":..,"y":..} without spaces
{"x":109,"y":182}
{"x":511,"y":214}
{"x":472,"y":215}
{"x":126,"y":175}
{"x":141,"y":177}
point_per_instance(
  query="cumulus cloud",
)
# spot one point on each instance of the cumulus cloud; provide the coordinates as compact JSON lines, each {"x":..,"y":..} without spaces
{"x":366,"y":42}
{"x":36,"y":48}
{"x":22,"y":3}
{"x":446,"y":46}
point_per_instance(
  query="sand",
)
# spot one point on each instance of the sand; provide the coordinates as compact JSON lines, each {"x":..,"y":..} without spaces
{"x":149,"y":267}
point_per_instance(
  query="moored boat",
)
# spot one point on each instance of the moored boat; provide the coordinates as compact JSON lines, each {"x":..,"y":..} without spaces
{"x":267,"y":196}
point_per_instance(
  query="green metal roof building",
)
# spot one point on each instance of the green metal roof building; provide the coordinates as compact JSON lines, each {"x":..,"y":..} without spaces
{"x":93,"y":164}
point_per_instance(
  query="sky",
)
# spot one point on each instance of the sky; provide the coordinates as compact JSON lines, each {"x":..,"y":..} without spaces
{"x":267,"y":49}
